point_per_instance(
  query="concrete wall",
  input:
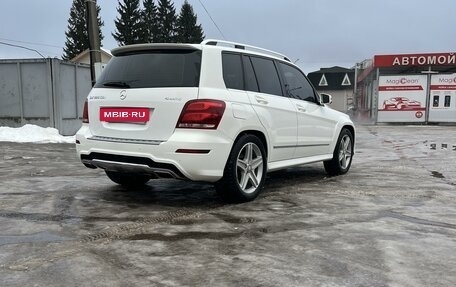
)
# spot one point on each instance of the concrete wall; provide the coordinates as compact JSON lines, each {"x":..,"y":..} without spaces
{"x":85,"y":58}
{"x":341,"y":99}
{"x":45,"y":92}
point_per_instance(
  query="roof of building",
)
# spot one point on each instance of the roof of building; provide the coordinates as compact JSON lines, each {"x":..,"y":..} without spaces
{"x":334,"y":69}
{"x":333,"y":78}
{"x":86,"y":51}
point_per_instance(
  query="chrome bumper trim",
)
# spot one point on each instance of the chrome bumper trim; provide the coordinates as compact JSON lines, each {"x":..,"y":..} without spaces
{"x":130,"y":141}
{"x":131,"y":168}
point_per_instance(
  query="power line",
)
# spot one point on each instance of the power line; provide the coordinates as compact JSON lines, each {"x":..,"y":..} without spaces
{"x":32,"y":43}
{"x":23,"y":47}
{"x":221,"y":33}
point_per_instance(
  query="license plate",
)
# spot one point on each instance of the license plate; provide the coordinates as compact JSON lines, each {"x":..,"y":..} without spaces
{"x":124,"y":115}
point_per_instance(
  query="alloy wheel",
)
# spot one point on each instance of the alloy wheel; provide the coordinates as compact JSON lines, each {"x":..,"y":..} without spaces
{"x":249,"y":167}
{"x":345,"y":151}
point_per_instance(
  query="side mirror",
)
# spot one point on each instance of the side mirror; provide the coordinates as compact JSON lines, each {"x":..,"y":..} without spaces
{"x":325,"y":98}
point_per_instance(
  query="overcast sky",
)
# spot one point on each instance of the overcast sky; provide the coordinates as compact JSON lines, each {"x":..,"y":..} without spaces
{"x":320,"y":33}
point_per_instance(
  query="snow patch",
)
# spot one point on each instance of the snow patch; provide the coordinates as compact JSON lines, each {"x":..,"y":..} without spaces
{"x":33,"y":134}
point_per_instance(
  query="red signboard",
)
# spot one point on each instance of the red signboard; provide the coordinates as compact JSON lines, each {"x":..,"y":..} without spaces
{"x":122,"y":115}
{"x":404,"y":60}
{"x":400,"y":88}
{"x":443,"y":88}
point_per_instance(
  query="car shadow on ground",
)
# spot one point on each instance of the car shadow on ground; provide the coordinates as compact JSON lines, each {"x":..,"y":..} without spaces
{"x":172,"y":193}
{"x":295,"y":175}
{"x":176,"y":193}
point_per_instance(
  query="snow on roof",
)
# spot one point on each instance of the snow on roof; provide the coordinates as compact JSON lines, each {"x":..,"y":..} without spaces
{"x":33,"y":134}
{"x":106,"y":51}
{"x":86,"y":51}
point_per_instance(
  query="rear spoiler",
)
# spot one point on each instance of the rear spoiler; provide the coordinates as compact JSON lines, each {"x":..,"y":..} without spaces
{"x":148,"y":47}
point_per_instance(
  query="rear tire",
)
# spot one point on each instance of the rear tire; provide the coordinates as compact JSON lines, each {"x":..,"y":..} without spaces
{"x":245,"y":170}
{"x":342,"y":156}
{"x":127,"y":179}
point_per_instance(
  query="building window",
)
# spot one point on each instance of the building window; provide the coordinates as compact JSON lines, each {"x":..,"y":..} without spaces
{"x":447,"y":101}
{"x":323,"y":81}
{"x":435,"y":101}
{"x":346,"y":81}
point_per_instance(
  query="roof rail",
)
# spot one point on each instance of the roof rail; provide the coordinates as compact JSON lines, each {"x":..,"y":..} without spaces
{"x":244,"y":47}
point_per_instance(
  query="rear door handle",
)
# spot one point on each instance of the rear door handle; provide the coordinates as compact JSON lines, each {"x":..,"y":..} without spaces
{"x":261,"y":100}
{"x":301,"y":108}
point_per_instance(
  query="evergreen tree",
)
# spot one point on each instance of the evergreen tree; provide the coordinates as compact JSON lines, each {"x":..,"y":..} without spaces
{"x":187,"y":30}
{"x":77,"y":38}
{"x":166,"y":22}
{"x":129,"y":27}
{"x":149,"y":21}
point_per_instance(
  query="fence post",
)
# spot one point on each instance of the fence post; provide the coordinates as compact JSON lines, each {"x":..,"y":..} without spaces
{"x":19,"y":89}
{"x":55,"y":94}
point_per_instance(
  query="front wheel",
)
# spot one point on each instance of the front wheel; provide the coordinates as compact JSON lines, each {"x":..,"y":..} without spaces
{"x":127,"y":179}
{"x":245,"y":170}
{"x":342,"y":156}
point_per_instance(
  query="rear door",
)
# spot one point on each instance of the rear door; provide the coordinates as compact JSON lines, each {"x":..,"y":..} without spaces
{"x":275,"y":111}
{"x":140,"y":94}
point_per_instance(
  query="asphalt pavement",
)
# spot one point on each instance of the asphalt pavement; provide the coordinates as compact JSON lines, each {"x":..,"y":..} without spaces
{"x":391,"y":221}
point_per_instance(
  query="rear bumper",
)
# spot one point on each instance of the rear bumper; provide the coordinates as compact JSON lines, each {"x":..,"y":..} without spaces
{"x":131,"y":164}
{"x":158,"y":158}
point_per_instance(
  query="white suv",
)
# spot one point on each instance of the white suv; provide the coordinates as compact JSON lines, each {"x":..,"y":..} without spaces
{"x":218,"y":112}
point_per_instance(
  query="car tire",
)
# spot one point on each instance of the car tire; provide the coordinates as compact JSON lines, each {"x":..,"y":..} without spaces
{"x":343,"y":154}
{"x":127,"y":179}
{"x":245,"y":170}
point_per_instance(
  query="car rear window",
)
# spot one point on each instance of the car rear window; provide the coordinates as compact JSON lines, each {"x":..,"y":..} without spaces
{"x":152,"y":69}
{"x":232,"y":71}
{"x":266,"y":73}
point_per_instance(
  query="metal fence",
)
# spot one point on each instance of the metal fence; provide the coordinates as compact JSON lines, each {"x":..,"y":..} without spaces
{"x":44,"y":92}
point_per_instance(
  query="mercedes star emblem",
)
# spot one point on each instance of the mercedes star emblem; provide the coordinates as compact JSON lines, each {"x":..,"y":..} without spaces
{"x":123,"y":94}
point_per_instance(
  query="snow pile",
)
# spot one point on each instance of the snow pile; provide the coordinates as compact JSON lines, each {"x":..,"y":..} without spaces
{"x":35,"y":134}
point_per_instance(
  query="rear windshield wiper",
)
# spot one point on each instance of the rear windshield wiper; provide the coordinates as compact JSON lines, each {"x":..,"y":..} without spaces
{"x":118,"y":84}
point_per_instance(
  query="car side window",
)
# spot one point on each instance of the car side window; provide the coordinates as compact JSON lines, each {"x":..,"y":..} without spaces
{"x":267,"y":76}
{"x":251,"y":83}
{"x":232,"y":71}
{"x":296,"y":84}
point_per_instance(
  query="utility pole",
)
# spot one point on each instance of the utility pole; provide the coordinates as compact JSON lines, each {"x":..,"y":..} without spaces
{"x":355,"y":91}
{"x":429,"y":72}
{"x":94,"y":39}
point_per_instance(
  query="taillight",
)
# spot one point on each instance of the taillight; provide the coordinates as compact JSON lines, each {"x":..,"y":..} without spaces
{"x":85,"y":113}
{"x":201,"y":114}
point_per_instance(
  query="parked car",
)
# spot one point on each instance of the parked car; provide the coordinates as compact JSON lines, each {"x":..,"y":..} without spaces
{"x":401,"y":103}
{"x":218,"y":112}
